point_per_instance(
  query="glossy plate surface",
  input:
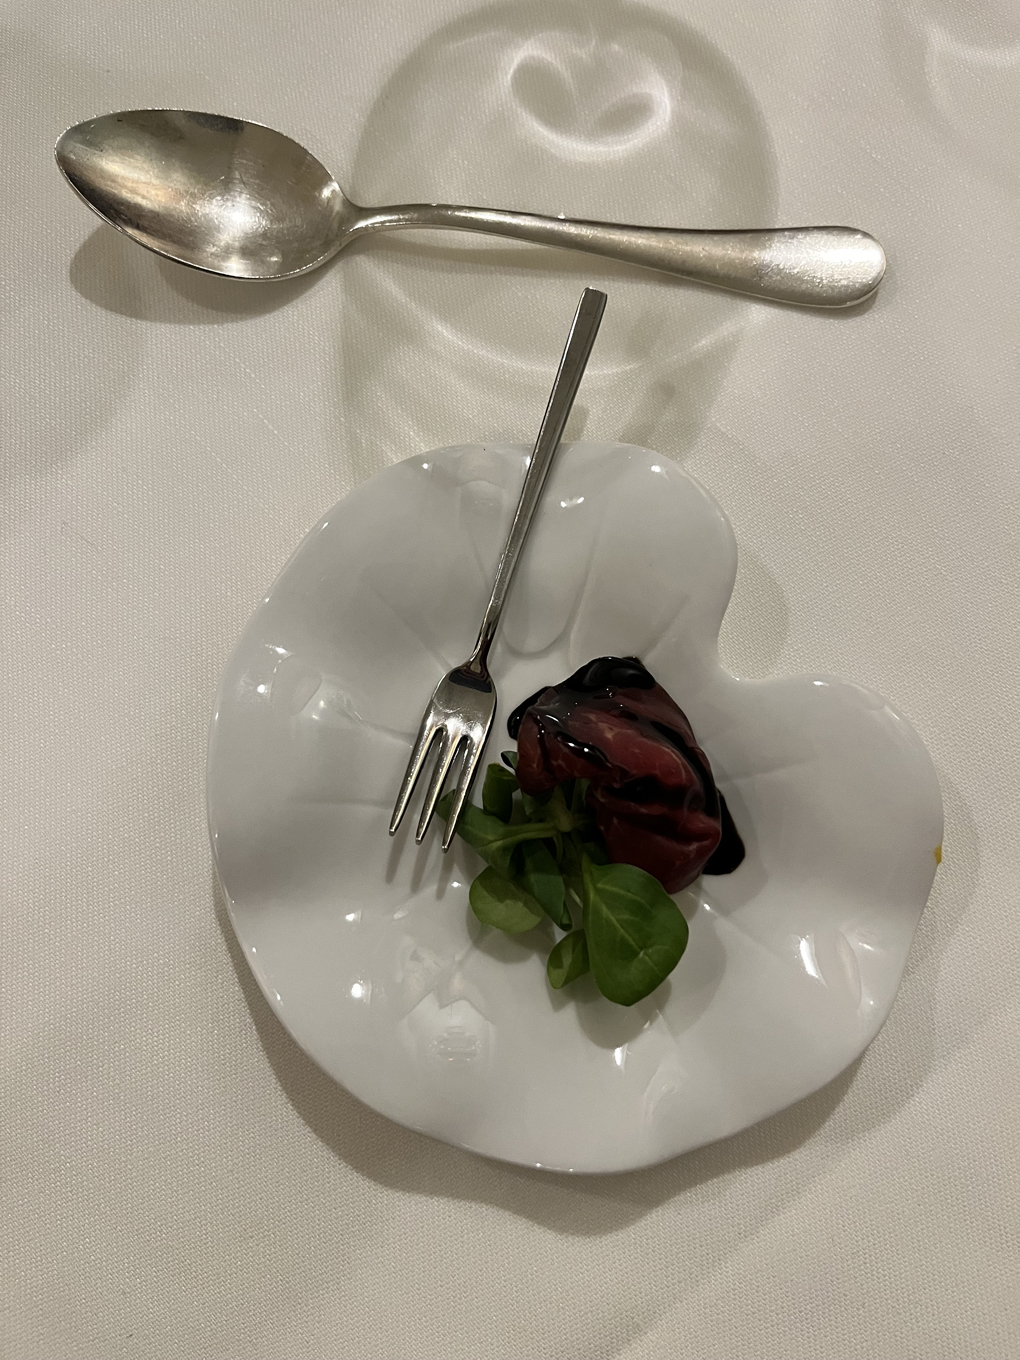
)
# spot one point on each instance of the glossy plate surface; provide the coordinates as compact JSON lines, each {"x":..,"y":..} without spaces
{"x":366,"y":946}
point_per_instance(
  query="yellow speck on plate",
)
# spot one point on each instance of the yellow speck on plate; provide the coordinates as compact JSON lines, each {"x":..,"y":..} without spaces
{"x":938,"y":854}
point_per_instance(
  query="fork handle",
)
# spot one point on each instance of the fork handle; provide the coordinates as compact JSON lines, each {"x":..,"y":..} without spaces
{"x":582,"y":335}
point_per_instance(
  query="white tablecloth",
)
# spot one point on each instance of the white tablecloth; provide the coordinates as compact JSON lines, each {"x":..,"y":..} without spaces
{"x":178,"y":1180}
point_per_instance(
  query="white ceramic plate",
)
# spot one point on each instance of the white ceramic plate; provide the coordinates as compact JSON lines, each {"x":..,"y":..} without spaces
{"x":366,"y":947}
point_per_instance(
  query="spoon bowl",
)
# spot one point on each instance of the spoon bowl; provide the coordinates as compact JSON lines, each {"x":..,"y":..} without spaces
{"x":222,"y":195}
{"x":236,"y":198}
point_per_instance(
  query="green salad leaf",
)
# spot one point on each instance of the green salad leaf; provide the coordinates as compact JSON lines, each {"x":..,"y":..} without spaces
{"x":498,"y":792}
{"x":546,"y":859}
{"x":540,"y":875}
{"x":636,"y":933}
{"x":568,"y":960}
{"x":493,"y":839}
{"x":497,"y":901}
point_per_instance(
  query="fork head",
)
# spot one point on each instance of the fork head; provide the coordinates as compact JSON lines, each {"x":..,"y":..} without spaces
{"x":457,"y":722}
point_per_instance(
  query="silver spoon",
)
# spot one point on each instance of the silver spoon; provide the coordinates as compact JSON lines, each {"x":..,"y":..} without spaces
{"x":237,"y":198}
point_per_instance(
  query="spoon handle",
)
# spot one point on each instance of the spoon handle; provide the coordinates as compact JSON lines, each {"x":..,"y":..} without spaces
{"x":813,"y":266}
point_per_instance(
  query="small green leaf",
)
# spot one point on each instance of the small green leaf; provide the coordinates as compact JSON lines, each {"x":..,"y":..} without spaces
{"x":558,"y":812}
{"x":517,"y":814}
{"x":509,"y":758}
{"x":491,"y":838}
{"x":570,"y":868}
{"x":594,"y":848}
{"x":540,"y":876}
{"x":578,"y":794}
{"x":568,"y":960}
{"x":636,"y":933}
{"x":498,"y":792}
{"x":496,"y":901}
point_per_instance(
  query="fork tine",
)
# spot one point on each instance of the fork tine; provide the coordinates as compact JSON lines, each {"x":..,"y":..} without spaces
{"x":423,"y":744}
{"x":447,"y":753}
{"x":467,"y":773}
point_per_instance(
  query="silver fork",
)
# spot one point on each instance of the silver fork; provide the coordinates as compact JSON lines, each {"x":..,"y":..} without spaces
{"x":460,"y":712}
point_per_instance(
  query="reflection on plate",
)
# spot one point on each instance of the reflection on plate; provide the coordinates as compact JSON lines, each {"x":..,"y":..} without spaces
{"x":366,"y":946}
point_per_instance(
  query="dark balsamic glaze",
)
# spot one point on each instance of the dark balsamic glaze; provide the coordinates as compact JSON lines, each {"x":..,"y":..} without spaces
{"x":729,"y":853}
{"x":594,"y":755}
{"x":513,"y":723}
{"x":613,"y":672}
{"x":604,"y":672}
